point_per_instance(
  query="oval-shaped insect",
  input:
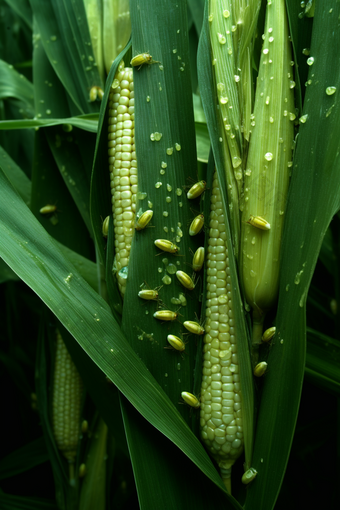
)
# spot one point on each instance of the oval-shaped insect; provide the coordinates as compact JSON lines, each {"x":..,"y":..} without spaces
{"x":259,"y":222}
{"x":249,"y":476}
{"x":144,"y":219}
{"x":141,"y":59}
{"x":48,"y":209}
{"x":149,"y":295}
{"x":190,"y":399}
{"x":93,"y":94}
{"x":193,"y":327}
{"x":82,"y":470}
{"x":166,"y":245}
{"x":185,"y":280}
{"x":268,"y":334}
{"x":105,"y":227}
{"x":176,"y":343}
{"x":196,"y":225}
{"x":198,"y":259}
{"x":196,"y":190}
{"x":100,"y":93}
{"x":165,"y":315}
{"x":260,"y":369}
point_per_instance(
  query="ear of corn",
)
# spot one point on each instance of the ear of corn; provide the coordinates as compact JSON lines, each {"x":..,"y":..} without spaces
{"x":221,"y":400}
{"x":123,"y":168}
{"x":66,"y":404}
{"x":268,"y":166}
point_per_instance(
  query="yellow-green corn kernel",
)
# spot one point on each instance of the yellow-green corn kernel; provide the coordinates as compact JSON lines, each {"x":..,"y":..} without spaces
{"x":268,"y":334}
{"x":196,"y":190}
{"x":123,"y":168}
{"x":176,"y":343}
{"x":185,"y":280}
{"x":221,"y":399}
{"x":190,"y":399}
{"x":194,"y":327}
{"x":143,"y":220}
{"x":66,"y":405}
{"x":196,"y":225}
{"x":198,"y":259}
{"x":260,"y":369}
{"x":165,"y":245}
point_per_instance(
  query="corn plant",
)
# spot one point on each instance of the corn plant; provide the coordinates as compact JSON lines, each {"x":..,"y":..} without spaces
{"x":170,"y":236}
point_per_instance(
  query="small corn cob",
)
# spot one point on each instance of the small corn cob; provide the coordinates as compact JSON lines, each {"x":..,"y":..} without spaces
{"x":268,"y":169}
{"x":123,"y":168}
{"x":221,"y":411}
{"x":66,"y":406}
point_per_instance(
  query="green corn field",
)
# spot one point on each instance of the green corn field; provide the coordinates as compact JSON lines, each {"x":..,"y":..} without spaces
{"x":170,"y":254}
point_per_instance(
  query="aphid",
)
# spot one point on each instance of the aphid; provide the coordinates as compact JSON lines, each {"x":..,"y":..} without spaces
{"x":190,"y":399}
{"x":105,"y":227}
{"x":198,"y":259}
{"x":194,"y":327}
{"x":260,"y":369}
{"x":185,"y":280}
{"x":141,"y":59}
{"x":259,"y":222}
{"x":196,"y":190}
{"x":165,"y":315}
{"x":143,"y":220}
{"x":196,"y":225}
{"x":176,"y":343}
{"x":149,"y":295}
{"x":48,"y":209}
{"x":166,"y":245}
{"x":249,"y":476}
{"x":268,"y":334}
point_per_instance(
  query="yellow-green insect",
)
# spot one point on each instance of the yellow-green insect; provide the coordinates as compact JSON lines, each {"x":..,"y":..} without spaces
{"x":48,"y":209}
{"x":196,"y":225}
{"x":249,"y":476}
{"x":259,"y":222}
{"x":185,"y":280}
{"x":165,"y":315}
{"x":268,"y":334}
{"x":260,"y":369}
{"x":105,"y":227}
{"x":198,"y":259}
{"x":166,"y":245}
{"x":141,"y":59}
{"x":194,"y":327}
{"x":190,"y":399}
{"x":149,"y":295}
{"x":82,"y":470}
{"x":196,"y":190}
{"x":96,"y":93}
{"x":176,"y":343}
{"x":144,"y":219}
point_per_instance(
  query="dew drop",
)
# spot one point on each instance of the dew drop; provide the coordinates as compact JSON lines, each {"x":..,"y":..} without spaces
{"x":169,"y":151}
{"x":150,"y":204}
{"x":226,"y":13}
{"x":237,"y":78}
{"x":306,"y":51}
{"x":166,"y":280}
{"x":165,"y":214}
{"x":236,"y":161}
{"x":177,"y":146}
{"x":303,"y":119}
{"x":168,"y":200}
{"x":330,"y":91}
{"x":221,"y":38}
{"x":179,"y":192}
{"x":268,"y":156}
{"x":310,"y":61}
{"x":158,"y":184}
{"x":164,"y":165}
{"x":169,"y":187}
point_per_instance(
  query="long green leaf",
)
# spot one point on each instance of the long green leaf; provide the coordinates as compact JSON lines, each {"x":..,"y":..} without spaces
{"x":33,"y":255}
{"x":313,"y":200}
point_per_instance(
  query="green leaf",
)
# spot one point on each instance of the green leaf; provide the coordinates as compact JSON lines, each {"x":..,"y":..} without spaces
{"x":86,"y":122}
{"x":313,"y":200}
{"x":322,"y":361}
{"x":33,"y":255}
{"x":16,"y":176}
{"x":23,"y":459}
{"x":13,"y":84}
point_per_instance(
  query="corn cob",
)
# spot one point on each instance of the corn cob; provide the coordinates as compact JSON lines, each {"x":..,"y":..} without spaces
{"x":268,"y":168}
{"x":66,"y":406}
{"x":123,"y":168}
{"x":221,"y":412}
